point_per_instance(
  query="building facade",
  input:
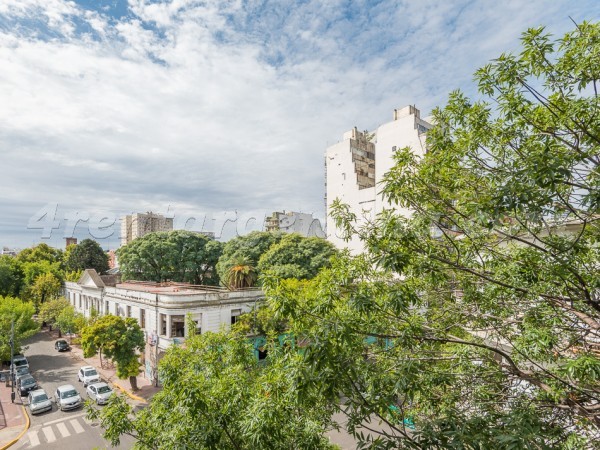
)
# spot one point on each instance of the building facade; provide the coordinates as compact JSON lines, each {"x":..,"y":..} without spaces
{"x":161,"y":309}
{"x":355,"y":167}
{"x":134,"y":226}
{"x":294,"y":222}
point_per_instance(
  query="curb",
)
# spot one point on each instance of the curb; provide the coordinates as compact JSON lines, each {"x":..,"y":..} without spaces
{"x":14,"y":441}
{"x":127,"y":393}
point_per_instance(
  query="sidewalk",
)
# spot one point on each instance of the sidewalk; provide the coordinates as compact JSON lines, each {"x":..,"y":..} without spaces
{"x":108,"y":373}
{"x":14,"y":420}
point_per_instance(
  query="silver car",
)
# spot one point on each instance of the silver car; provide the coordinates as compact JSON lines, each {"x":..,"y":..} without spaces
{"x":100,"y":392}
{"x":67,"y":397}
{"x":39,"y":402}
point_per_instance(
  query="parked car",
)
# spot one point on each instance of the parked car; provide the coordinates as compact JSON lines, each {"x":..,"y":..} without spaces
{"x":19,"y":361}
{"x":100,"y":392}
{"x":67,"y":397}
{"x":88,"y":375}
{"x":61,"y":345}
{"x":20,"y":373}
{"x":25,"y":384}
{"x":39,"y":402}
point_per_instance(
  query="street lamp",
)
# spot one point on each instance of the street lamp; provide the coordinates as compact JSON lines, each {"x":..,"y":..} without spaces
{"x":12,"y":362}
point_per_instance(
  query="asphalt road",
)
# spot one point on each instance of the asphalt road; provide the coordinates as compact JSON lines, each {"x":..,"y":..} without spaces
{"x":64,"y":430}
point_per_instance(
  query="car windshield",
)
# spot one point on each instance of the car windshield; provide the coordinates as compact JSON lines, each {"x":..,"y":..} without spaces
{"x":27,"y":381}
{"x":90,"y":373}
{"x":103,"y":389}
{"x":62,"y":342}
{"x":20,"y":362}
{"x":22,"y":370}
{"x":40,"y":398}
{"x":69,"y":394}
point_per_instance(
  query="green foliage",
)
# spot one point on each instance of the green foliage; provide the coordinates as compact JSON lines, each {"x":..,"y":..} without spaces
{"x":52,"y":309}
{"x":33,"y":269}
{"x":22,"y":313}
{"x":70,"y":321}
{"x":245,"y":252}
{"x":174,"y":255}
{"x":73,"y":276}
{"x":296,"y":256}
{"x":11,"y":276}
{"x":46,"y":287}
{"x":41,"y":252}
{"x":86,"y":255}
{"x":119,"y":339}
{"x":216,"y":395}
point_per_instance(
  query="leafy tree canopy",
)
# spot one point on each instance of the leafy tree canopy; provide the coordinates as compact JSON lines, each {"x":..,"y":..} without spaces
{"x":52,"y":309}
{"x":174,"y":255}
{"x":296,"y":256}
{"x":86,"y":255}
{"x":46,"y":287}
{"x":41,"y":252}
{"x":119,"y":339}
{"x":11,"y":276}
{"x":245,"y":251}
{"x":22,"y":313}
{"x":216,"y":395}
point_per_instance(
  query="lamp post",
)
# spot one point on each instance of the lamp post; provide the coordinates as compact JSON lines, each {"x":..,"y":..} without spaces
{"x":12,"y":357}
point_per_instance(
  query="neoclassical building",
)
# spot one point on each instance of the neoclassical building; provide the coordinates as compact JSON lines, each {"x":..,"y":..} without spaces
{"x":161,"y":308}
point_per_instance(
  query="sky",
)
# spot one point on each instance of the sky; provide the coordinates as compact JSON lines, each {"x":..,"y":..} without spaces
{"x":218,"y":112}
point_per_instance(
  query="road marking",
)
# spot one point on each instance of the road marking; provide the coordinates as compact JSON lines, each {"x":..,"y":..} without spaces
{"x":52,"y":422}
{"x":34,"y":440}
{"x":78,"y":428}
{"x":63,"y":429}
{"x":50,"y":437}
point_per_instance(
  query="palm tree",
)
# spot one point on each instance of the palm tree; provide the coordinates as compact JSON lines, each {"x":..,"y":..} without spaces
{"x":241,"y":275}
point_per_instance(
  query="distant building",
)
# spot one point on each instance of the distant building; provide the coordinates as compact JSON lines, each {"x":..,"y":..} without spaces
{"x":70,"y":241}
{"x":9,"y":251}
{"x":134,"y":226}
{"x":355,"y":167}
{"x":112,"y":259}
{"x":161,"y":308}
{"x":294,"y":222}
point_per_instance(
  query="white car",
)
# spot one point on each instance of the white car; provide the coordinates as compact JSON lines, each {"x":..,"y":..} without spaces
{"x":100,"y":392}
{"x":88,"y":375}
{"x":39,"y":402}
{"x":67,"y":397}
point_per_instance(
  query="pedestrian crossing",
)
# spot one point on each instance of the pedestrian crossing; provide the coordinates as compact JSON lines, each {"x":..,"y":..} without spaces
{"x":51,"y":431}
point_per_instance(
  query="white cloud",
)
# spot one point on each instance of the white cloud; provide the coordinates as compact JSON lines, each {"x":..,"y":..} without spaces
{"x":217,"y":106}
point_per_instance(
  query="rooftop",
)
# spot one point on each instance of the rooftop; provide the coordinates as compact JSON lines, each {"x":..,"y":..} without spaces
{"x":169,"y":287}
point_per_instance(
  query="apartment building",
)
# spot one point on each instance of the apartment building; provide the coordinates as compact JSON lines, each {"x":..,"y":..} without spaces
{"x":134,"y":226}
{"x":355,"y":167}
{"x":294,"y":222}
{"x":161,"y":308}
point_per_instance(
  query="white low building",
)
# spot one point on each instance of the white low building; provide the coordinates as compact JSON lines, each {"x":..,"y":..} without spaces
{"x":161,"y":308}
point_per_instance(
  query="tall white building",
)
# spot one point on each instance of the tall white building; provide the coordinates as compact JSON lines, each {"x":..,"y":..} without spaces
{"x":355,"y":167}
{"x":134,"y":226}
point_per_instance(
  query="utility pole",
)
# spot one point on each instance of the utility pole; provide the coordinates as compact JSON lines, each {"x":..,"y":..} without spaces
{"x":12,"y":357}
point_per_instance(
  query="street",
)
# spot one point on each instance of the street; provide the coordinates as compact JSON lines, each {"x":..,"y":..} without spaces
{"x":59,"y":429}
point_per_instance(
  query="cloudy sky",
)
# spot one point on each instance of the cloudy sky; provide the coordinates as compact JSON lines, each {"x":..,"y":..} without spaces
{"x":212,"y":110}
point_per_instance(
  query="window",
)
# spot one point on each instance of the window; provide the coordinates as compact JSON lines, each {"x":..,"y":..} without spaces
{"x":142,"y":318}
{"x":106,"y":308}
{"x":235,"y":314}
{"x":163,"y":324}
{"x":87,"y":303}
{"x":177,"y":326}
{"x":128,"y":311}
{"x":79,"y":301}
{"x":117,"y":309}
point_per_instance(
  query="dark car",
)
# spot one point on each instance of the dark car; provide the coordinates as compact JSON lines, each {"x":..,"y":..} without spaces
{"x":25,"y":384}
{"x":61,"y":345}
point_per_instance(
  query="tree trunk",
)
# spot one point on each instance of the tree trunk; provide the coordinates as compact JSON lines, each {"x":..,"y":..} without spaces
{"x":101,"y":358}
{"x":133,"y":382}
{"x":59,"y":333}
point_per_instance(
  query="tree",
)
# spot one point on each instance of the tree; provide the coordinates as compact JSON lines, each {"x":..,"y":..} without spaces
{"x":45,"y":287}
{"x":51,"y":310}
{"x":246,"y":250}
{"x":296,"y":256}
{"x":242,"y":274}
{"x":11,"y":276}
{"x":120,"y":339}
{"x":24,"y":326}
{"x":41,"y":252}
{"x":86,"y":255}
{"x":171,"y":256}
{"x":70,"y":321}
{"x":216,"y":395}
